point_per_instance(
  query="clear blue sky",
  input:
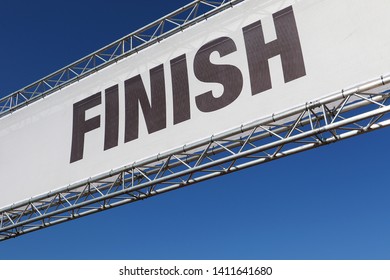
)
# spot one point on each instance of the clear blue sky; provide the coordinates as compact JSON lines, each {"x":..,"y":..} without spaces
{"x":328,"y":203}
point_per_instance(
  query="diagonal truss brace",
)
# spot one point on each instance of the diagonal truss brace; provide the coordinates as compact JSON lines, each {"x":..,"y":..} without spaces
{"x":339,"y":116}
{"x":153,"y":33}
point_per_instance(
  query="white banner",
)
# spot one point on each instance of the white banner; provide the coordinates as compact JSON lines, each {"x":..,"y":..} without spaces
{"x":250,"y":61}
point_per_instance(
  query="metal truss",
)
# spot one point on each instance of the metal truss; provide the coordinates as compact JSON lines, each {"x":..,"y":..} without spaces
{"x":166,"y":26}
{"x":339,"y":116}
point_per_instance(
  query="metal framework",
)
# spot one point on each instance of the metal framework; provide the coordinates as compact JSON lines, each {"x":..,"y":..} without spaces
{"x":339,"y":116}
{"x":160,"y":29}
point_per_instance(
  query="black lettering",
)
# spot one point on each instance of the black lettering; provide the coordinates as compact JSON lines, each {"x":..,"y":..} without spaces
{"x":227,"y":75}
{"x":287,"y":45}
{"x":112,"y":118}
{"x":153,"y":105}
{"x":154,"y":112}
{"x":82,"y":126}
{"x":180,"y":90}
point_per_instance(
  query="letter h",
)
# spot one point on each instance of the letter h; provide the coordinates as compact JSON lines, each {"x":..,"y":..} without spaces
{"x":287,"y":45}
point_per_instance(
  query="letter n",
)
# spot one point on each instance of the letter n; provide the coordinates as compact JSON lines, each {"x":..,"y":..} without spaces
{"x":153,"y":111}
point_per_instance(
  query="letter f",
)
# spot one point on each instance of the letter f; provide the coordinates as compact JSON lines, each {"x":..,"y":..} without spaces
{"x":82,"y":126}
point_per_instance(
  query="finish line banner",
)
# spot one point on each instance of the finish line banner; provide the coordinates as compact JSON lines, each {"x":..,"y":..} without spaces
{"x":247,"y":62}
{"x":155,"y":270}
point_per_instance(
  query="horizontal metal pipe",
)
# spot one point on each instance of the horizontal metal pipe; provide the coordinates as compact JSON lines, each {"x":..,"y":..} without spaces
{"x":291,"y":139}
{"x":194,"y":145}
{"x":201,"y":178}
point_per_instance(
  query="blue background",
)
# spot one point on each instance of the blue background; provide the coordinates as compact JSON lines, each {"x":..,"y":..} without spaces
{"x":328,"y":203}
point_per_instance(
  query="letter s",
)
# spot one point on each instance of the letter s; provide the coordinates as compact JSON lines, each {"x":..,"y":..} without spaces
{"x":227,"y":75}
